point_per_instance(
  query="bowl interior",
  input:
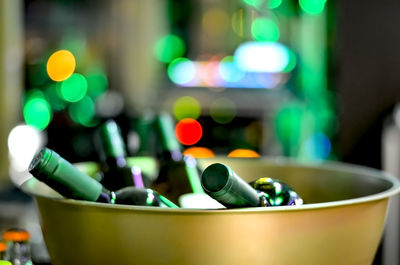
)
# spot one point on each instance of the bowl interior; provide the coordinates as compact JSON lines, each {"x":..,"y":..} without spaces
{"x":314,"y":182}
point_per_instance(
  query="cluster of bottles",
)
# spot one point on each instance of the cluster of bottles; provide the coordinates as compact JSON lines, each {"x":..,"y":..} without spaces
{"x":15,"y":247}
{"x":179,"y":177}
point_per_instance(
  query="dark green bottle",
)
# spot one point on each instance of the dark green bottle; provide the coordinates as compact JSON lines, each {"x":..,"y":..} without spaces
{"x":178,"y":174}
{"x":50,"y":168}
{"x":278,"y":192}
{"x":224,"y":185}
{"x":115,"y":173}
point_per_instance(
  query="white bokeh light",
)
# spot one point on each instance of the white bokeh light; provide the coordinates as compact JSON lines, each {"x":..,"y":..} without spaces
{"x":270,"y":57}
{"x":23,"y":142}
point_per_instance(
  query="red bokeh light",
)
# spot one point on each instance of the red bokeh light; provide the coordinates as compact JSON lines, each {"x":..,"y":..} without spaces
{"x":188,"y":131}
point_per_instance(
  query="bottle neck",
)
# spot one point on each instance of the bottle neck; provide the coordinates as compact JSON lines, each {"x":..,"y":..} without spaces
{"x":63,"y":177}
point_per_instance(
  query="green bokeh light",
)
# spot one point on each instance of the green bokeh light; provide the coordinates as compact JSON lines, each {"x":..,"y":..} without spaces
{"x":83,"y":112}
{"x":97,"y":83}
{"x":187,"y":107}
{"x":37,"y":111}
{"x":274,"y":3}
{"x":254,"y":3}
{"x":223,"y":110}
{"x":292,"y":61}
{"x":312,"y":7}
{"x":169,"y":47}
{"x":74,"y":88}
{"x":288,"y":124}
{"x":264,"y":29}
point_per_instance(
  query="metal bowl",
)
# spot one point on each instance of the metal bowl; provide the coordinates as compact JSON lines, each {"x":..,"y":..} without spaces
{"x":341,"y":223}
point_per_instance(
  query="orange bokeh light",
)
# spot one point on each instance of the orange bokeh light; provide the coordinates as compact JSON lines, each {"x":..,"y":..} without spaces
{"x":188,"y":131}
{"x":199,"y":152}
{"x":61,"y":65}
{"x":243,"y":153}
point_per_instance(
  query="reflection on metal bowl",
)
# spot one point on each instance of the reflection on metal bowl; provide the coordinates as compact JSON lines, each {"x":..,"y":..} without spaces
{"x":341,"y":223}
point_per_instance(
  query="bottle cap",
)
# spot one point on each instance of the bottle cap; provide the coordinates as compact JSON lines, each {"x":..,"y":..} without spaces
{"x":5,"y":262}
{"x":215,"y":177}
{"x":3,"y":247}
{"x":16,"y":234}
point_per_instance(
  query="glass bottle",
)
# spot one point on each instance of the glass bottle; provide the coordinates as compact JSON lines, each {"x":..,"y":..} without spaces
{"x":18,"y":246}
{"x":278,"y":192}
{"x":224,"y":185}
{"x":69,"y":181}
{"x":111,"y":147}
{"x":178,"y":174}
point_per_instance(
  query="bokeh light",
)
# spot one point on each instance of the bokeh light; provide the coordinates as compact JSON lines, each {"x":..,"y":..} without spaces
{"x":229,"y":71}
{"x":169,"y":47}
{"x":74,"y":88}
{"x":199,"y":152}
{"x":181,"y":71}
{"x":61,"y":65}
{"x":23,"y":142}
{"x":264,"y":29}
{"x":254,"y":3}
{"x":83,"y":112}
{"x":215,"y":21}
{"x":223,"y":110}
{"x":188,"y":131}
{"x":37,"y":111}
{"x":97,"y":83}
{"x":288,"y":123}
{"x":312,"y":7}
{"x":318,"y":146}
{"x":186,"y":107}
{"x":274,"y":3}
{"x":291,"y":63}
{"x":243,"y":153}
{"x":262,"y":57}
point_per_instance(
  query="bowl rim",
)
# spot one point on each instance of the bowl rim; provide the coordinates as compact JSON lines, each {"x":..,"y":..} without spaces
{"x":280,"y":161}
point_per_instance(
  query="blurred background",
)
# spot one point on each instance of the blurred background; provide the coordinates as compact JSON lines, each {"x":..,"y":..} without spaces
{"x":313,"y":80}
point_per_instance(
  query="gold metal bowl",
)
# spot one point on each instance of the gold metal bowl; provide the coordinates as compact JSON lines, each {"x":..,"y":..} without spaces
{"x":341,"y":223}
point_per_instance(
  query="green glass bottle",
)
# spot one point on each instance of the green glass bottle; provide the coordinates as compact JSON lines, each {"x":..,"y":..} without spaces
{"x":224,"y":185}
{"x":50,"y":168}
{"x":115,"y":173}
{"x":278,"y":192}
{"x":178,"y":174}
{"x":18,"y":246}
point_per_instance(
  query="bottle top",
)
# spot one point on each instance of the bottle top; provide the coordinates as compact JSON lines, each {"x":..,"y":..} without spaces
{"x":3,"y":247}
{"x":216,"y":177}
{"x":110,"y":140}
{"x":5,"y":262}
{"x":62,"y":176}
{"x":223,"y":184}
{"x":15,"y":234}
{"x":166,"y":130}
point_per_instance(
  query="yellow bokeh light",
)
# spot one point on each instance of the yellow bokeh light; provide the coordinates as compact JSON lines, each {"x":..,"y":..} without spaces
{"x":243,"y":153}
{"x":199,"y":152}
{"x":61,"y":65}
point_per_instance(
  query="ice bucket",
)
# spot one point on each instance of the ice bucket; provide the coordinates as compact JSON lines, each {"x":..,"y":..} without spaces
{"x":341,"y":222}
